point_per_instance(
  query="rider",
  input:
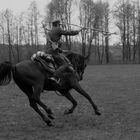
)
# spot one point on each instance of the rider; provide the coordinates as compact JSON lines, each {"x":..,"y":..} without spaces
{"x":53,"y":47}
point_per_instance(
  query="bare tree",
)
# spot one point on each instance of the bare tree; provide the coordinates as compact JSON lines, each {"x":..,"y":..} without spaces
{"x":95,"y":15}
{"x":134,"y":30}
{"x":60,"y":9}
{"x":125,"y":16}
{"x":86,"y":18}
{"x":9,"y":18}
{"x":33,"y":17}
{"x":2,"y":26}
{"x":106,"y":18}
{"x":138,"y":36}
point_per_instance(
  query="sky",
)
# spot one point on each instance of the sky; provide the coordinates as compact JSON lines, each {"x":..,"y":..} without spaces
{"x":22,"y":5}
{"x":18,"y":6}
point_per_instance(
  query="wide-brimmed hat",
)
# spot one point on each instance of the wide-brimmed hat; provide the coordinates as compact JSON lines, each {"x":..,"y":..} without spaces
{"x":55,"y":22}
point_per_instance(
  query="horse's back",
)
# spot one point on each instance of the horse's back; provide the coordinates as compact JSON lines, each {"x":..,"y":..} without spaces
{"x":29,"y":72}
{"x":27,"y":66}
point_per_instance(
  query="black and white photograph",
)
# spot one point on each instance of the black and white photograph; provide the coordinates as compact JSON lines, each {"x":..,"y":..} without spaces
{"x":69,"y":69}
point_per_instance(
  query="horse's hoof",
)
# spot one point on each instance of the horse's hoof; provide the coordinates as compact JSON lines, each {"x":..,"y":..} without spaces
{"x":97,"y":112}
{"x":68,"y":112}
{"x":51,"y":116}
{"x":49,"y":111}
{"x":50,"y":124}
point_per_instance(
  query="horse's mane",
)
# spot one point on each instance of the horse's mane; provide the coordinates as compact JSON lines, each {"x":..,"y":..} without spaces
{"x":77,"y":60}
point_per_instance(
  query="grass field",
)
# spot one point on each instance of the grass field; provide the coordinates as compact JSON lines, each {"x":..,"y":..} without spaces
{"x":114,"y":88}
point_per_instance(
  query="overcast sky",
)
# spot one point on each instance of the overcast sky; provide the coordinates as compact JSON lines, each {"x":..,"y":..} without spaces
{"x":18,"y":6}
{"x":22,"y":5}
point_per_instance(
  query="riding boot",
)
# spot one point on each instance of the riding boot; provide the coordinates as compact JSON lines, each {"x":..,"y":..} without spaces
{"x":57,"y":74}
{"x":55,"y":79}
{"x":60,"y":70}
{"x":70,"y":68}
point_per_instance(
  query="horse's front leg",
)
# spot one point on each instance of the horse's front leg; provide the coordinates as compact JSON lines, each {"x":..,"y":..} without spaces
{"x":72,"y":100}
{"x":79,"y":89}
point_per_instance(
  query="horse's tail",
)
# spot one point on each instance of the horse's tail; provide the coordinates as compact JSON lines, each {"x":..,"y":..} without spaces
{"x":5,"y":72}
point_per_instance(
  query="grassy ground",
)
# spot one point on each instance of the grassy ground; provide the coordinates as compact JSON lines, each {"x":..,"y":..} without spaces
{"x":114,"y":88}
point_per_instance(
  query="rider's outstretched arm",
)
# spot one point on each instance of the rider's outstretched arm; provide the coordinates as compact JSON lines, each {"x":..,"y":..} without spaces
{"x":71,"y":32}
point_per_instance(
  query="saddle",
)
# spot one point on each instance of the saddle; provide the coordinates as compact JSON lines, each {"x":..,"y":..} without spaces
{"x":48,"y":63}
{"x":45,"y":60}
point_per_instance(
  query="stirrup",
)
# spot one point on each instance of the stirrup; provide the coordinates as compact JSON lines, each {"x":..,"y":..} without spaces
{"x":71,"y":69}
{"x":55,"y":80}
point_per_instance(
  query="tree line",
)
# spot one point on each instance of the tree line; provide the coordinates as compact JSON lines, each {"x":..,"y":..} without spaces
{"x":26,"y":29}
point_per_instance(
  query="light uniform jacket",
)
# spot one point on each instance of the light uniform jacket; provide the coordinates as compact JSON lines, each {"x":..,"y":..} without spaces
{"x":54,"y":37}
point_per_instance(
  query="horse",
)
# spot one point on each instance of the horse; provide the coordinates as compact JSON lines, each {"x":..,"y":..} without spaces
{"x":79,"y":62}
{"x":32,"y":79}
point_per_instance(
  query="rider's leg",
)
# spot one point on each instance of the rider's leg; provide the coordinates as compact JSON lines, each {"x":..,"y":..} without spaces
{"x":60,"y":70}
{"x":63,"y":66}
{"x":58,"y":73}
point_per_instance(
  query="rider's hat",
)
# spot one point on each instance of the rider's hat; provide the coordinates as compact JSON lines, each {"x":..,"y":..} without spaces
{"x":55,"y":22}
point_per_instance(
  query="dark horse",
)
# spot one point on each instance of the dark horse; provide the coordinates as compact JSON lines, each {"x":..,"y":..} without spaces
{"x":32,"y":79}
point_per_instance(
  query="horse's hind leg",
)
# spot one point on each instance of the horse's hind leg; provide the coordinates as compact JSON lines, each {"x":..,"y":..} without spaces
{"x":74,"y":103}
{"x":36,"y":97}
{"x":29,"y":92}
{"x":79,"y":89}
{"x":35,"y":107}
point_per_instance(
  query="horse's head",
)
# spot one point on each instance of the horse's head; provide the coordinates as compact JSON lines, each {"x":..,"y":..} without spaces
{"x":79,"y":62}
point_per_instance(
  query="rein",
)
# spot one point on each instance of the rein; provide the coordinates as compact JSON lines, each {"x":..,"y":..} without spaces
{"x":59,"y":94}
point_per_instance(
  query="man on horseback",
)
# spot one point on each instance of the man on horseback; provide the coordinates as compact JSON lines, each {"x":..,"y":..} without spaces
{"x":53,"y":48}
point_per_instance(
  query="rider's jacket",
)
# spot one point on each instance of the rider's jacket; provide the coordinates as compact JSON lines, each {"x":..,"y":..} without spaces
{"x":54,"y":37}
